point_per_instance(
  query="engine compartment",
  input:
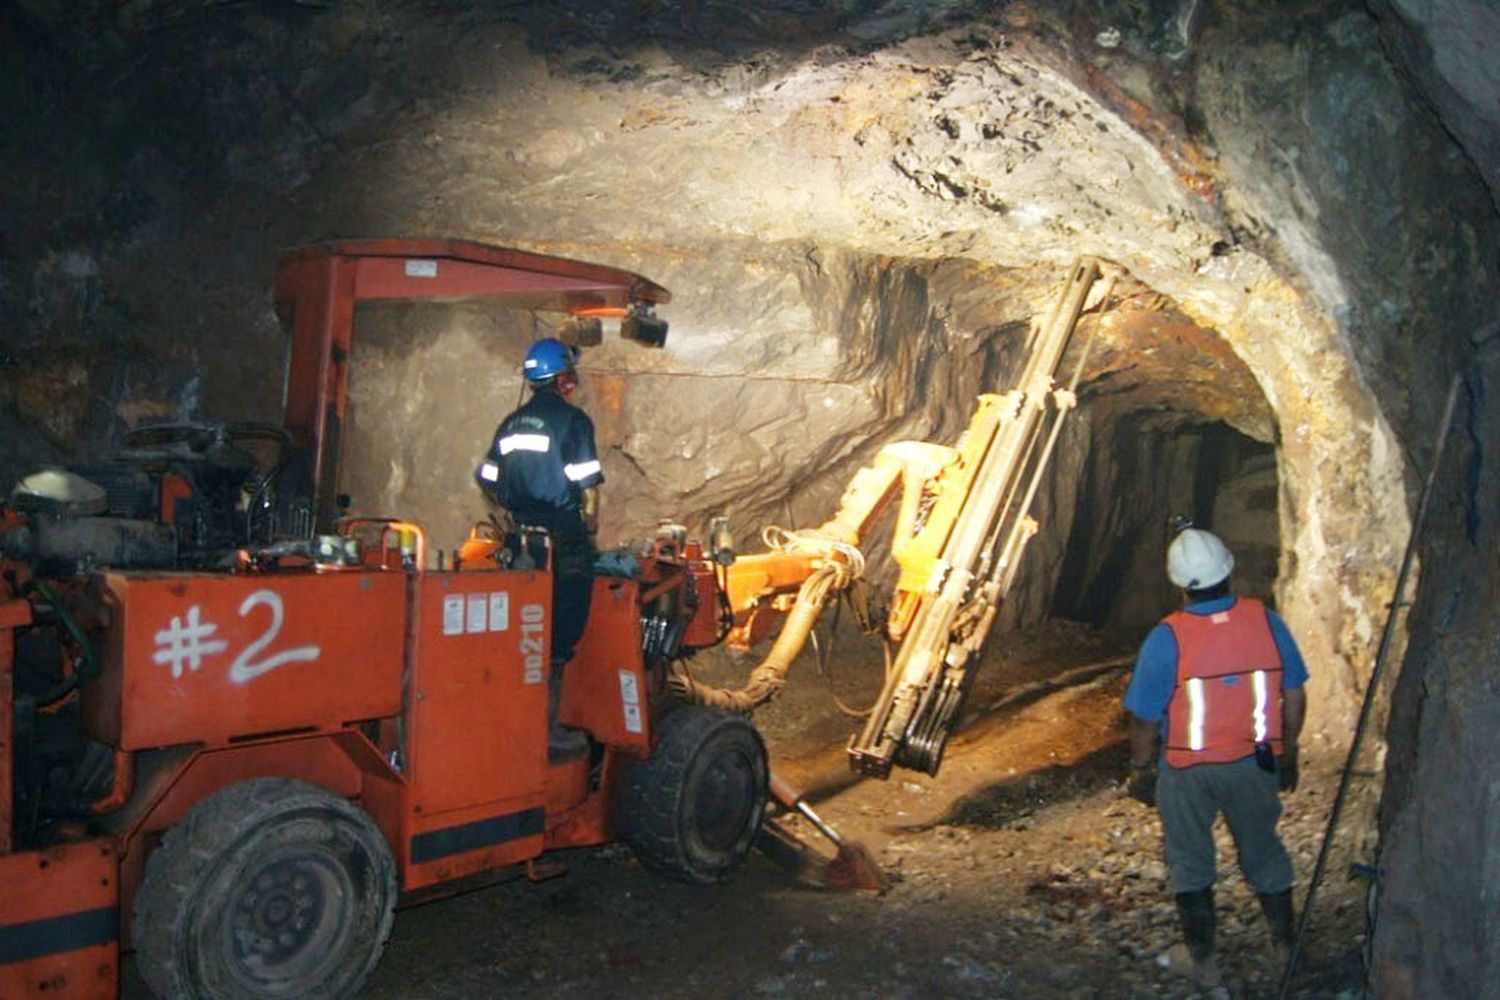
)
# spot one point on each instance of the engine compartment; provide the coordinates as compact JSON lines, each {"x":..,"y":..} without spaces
{"x":179,"y":495}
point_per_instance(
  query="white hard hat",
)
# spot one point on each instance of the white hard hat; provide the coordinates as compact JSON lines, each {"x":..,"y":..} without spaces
{"x":1196,"y":559}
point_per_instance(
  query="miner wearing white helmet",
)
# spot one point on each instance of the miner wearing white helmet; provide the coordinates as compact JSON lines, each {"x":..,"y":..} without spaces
{"x":1220,"y":685}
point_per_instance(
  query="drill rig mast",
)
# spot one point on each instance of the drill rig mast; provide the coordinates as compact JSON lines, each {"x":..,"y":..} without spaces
{"x":962,"y":525}
{"x":947,"y":605}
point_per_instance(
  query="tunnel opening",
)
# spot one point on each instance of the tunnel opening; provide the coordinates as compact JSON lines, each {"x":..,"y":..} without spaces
{"x":1209,"y":475}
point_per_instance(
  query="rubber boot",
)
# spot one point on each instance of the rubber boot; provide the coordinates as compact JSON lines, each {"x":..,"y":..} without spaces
{"x":1196,"y":911}
{"x":562,"y":743}
{"x":1277,"y":906}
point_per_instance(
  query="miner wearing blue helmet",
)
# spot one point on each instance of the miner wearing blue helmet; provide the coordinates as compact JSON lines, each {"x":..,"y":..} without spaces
{"x":543,"y":467}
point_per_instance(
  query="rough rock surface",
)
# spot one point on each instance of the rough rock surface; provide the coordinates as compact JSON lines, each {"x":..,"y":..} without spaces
{"x":1449,"y":48}
{"x":859,"y":207}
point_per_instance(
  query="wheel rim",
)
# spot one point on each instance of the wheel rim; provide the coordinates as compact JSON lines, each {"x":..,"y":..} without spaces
{"x":289,"y":920}
{"x":726,"y":801}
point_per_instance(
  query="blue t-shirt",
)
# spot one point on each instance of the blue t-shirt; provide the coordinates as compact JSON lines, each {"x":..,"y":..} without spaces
{"x":1156,"y":665}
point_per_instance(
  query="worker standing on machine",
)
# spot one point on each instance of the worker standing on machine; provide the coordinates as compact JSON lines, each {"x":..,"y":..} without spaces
{"x":1222,"y":681}
{"x":543,"y":467}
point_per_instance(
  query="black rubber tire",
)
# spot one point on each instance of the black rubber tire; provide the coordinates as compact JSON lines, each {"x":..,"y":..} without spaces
{"x":693,"y":808}
{"x":236,"y":883}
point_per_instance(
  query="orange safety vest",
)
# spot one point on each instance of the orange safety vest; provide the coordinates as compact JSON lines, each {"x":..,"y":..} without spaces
{"x":1228,"y":694}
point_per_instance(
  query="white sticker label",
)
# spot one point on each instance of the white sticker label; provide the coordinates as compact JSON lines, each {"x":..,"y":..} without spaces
{"x":479,"y":612}
{"x":421,"y":269}
{"x":499,"y":611}
{"x":630,"y":697}
{"x":453,"y":614}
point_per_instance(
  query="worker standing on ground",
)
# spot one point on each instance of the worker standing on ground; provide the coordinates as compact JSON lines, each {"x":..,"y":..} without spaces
{"x":543,"y":467}
{"x":1221,"y":681}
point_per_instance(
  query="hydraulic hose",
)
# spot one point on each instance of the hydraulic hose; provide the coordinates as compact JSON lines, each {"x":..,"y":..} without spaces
{"x":90,"y":669}
{"x":769,"y":677}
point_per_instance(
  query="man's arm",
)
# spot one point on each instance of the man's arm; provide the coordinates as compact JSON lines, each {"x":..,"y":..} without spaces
{"x":1150,"y":692}
{"x":1142,"y":783}
{"x":1146,"y":700}
{"x":582,"y":467}
{"x":1293,"y":711}
{"x":1143,"y":737}
{"x":1293,"y":714}
{"x":1293,"y":699}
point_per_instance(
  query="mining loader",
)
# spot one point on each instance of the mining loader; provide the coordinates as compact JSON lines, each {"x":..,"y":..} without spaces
{"x":962,"y":523}
{"x":239,"y":728}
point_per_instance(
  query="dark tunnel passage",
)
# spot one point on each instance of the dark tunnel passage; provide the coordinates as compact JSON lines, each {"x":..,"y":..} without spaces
{"x":1209,"y":474}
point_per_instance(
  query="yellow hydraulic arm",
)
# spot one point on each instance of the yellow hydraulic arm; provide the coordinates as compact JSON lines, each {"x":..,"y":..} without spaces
{"x":960,"y":529}
{"x":947,"y":604}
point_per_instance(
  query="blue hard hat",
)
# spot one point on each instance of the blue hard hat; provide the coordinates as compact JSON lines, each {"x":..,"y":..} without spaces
{"x":547,"y":359}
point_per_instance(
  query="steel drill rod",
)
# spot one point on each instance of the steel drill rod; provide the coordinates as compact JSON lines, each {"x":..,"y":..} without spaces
{"x":1381,"y":654}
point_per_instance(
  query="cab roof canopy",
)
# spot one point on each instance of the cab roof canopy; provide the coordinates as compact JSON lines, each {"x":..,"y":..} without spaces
{"x":318,"y":286}
{"x":408,"y":269}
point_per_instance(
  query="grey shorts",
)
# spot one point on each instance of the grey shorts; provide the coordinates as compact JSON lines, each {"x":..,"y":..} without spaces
{"x":1191,"y":797}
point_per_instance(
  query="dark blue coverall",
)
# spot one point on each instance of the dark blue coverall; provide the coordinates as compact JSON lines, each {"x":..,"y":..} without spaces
{"x":541,"y":460}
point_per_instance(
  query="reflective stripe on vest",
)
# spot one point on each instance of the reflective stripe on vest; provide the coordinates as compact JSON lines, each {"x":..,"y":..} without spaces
{"x":1196,"y":709}
{"x":524,"y":442}
{"x":579,"y":471}
{"x":1262,"y":698}
{"x":1228,"y":695}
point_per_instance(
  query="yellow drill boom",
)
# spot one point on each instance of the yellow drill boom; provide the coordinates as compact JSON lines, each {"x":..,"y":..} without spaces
{"x":955,"y":573}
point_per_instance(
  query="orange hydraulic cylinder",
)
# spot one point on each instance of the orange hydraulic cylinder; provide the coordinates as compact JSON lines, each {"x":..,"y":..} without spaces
{"x":755,"y":577}
{"x":762,"y":587}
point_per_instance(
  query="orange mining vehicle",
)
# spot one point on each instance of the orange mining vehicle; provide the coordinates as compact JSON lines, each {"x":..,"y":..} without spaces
{"x":238,"y":730}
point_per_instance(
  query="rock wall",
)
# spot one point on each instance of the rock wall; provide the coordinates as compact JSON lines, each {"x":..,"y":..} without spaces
{"x":858,"y":208}
{"x":744,"y":176}
{"x":794,"y":175}
{"x":1439,"y":896}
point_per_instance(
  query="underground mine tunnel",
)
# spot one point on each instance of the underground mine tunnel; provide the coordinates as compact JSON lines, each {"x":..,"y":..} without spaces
{"x":853,"y":218}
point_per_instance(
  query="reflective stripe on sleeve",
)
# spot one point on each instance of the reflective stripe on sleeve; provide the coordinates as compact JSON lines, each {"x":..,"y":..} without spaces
{"x":579,"y":471}
{"x":1195,"y":713}
{"x":524,"y":442}
{"x":489,"y":472}
{"x":1262,"y":699}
